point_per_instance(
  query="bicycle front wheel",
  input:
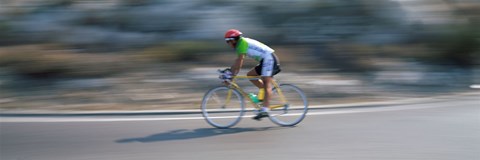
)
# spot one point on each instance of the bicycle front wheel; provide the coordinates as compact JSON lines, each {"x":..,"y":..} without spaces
{"x":291,"y":109}
{"x":223,"y":107}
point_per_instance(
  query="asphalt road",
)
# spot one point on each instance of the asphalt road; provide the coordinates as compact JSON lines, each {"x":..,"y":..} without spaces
{"x":446,"y":129}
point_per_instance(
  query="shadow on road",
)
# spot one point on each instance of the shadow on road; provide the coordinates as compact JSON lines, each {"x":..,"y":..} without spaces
{"x":183,"y":134}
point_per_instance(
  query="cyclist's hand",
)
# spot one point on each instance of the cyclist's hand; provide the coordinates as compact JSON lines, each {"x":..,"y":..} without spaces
{"x":225,"y":71}
{"x":226,"y":74}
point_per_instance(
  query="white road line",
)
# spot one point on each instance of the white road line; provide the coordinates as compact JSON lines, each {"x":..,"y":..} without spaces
{"x":475,"y":86}
{"x":68,"y":119}
{"x":106,"y":119}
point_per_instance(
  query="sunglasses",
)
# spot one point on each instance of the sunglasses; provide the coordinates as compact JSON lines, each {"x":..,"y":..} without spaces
{"x":228,"y":40}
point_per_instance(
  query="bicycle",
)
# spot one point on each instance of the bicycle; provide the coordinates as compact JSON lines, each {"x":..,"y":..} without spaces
{"x":224,"y":106}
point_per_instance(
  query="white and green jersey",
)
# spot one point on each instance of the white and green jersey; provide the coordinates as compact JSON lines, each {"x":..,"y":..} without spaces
{"x":253,"y":48}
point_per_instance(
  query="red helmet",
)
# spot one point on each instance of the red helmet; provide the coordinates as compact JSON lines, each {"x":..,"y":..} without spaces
{"x":232,"y":33}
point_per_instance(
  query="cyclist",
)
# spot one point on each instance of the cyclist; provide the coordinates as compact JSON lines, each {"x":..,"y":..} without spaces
{"x":268,"y":65}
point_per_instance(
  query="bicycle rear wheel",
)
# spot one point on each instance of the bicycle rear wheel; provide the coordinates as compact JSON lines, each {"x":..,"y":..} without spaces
{"x":291,"y":111}
{"x":223,"y":107}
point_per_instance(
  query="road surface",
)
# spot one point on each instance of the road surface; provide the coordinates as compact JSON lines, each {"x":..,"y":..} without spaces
{"x":446,"y":129}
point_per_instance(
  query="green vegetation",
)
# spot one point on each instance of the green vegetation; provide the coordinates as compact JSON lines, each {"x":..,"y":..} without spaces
{"x":5,"y":30}
{"x":49,"y":61}
{"x":461,"y":47}
{"x":183,"y":51}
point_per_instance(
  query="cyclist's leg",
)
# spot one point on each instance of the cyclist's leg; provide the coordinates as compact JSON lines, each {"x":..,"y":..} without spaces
{"x":267,"y":67}
{"x":270,"y":67}
{"x":267,"y":73}
{"x":256,"y":82}
{"x":267,"y":90}
{"x":256,"y":71}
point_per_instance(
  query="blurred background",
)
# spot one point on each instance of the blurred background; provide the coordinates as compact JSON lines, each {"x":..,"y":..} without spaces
{"x":163,"y":54}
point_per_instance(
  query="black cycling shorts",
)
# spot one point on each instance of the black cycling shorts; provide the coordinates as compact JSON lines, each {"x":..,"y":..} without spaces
{"x":275,"y":68}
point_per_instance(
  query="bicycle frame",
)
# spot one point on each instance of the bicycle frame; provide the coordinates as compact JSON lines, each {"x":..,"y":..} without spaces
{"x":233,"y":85}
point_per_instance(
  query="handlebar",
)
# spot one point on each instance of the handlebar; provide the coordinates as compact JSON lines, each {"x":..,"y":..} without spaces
{"x":227,"y":75}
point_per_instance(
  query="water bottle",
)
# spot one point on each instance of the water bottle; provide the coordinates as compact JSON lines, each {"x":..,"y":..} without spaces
{"x":253,"y":97}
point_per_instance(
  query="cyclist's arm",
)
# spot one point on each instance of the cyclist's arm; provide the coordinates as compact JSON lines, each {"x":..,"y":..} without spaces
{"x":238,"y":64}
